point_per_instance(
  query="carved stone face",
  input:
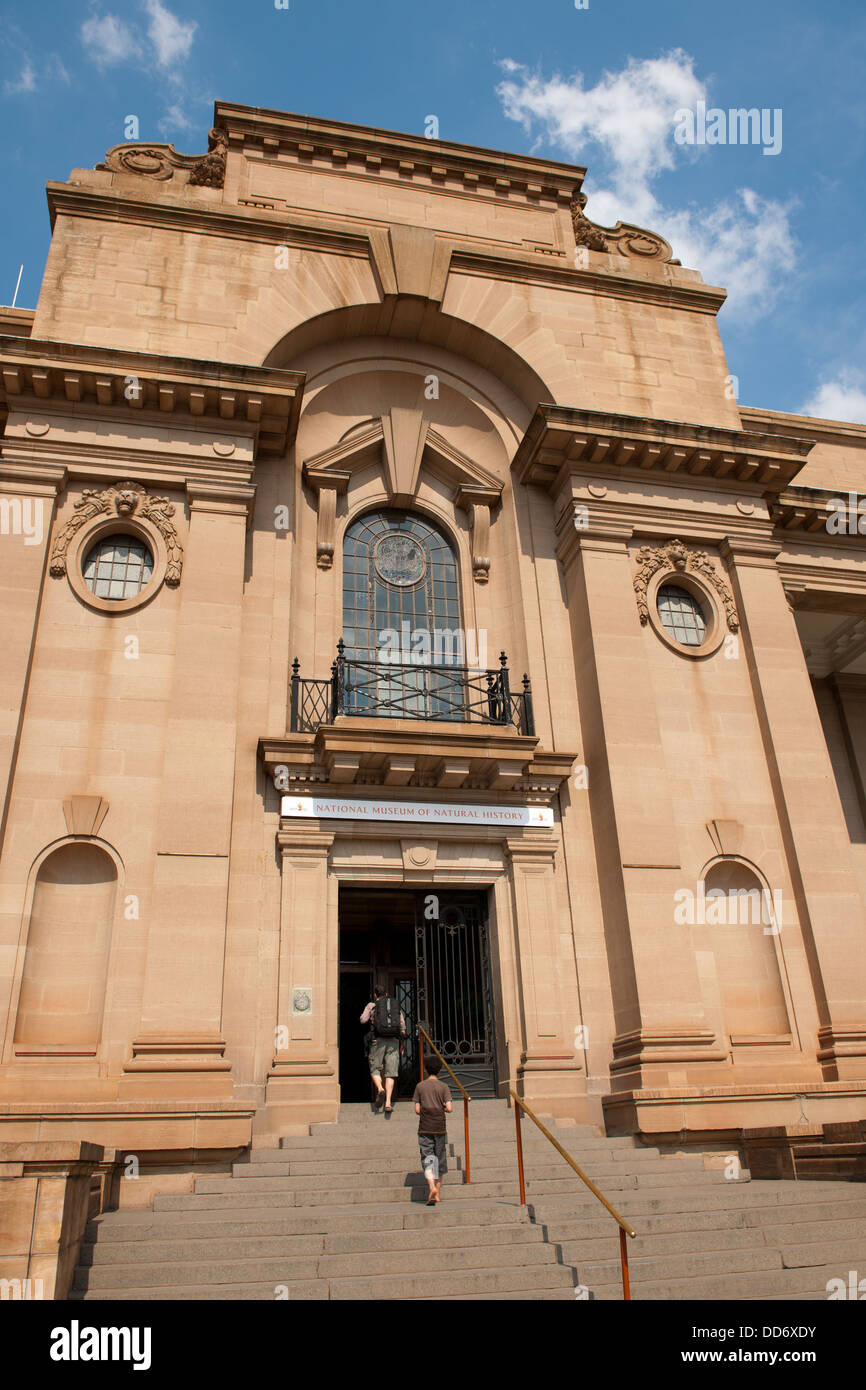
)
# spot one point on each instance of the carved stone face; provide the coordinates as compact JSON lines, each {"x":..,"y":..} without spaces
{"x":126,"y":502}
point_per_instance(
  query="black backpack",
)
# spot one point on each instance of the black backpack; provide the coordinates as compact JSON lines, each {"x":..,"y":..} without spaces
{"x":386,"y":1018}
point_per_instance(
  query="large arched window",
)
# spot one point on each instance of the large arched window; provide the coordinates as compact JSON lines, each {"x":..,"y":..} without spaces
{"x":399,"y":587}
{"x":401,"y":618}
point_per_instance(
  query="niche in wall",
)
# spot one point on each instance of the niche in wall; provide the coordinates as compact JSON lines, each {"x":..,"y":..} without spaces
{"x":66,"y":960}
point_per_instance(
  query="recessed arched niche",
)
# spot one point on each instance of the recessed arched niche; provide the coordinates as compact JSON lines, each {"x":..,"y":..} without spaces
{"x":742,"y":926}
{"x":66,"y":960}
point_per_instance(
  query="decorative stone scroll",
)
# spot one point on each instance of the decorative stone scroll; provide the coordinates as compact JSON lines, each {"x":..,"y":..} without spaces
{"x":161,"y":162}
{"x":624,"y":238}
{"x":127,"y":500}
{"x":677,"y":557}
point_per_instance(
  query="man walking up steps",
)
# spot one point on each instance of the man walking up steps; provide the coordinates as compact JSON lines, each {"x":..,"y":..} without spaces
{"x":432,"y":1103}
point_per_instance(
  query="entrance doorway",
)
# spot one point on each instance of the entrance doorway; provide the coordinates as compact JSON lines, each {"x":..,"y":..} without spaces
{"x":430,"y":951}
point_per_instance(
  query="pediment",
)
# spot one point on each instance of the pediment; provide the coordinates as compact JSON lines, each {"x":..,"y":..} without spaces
{"x":402,"y":442}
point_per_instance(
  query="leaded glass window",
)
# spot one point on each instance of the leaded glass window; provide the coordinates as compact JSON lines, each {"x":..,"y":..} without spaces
{"x":400,"y":590}
{"x":681,"y":615}
{"x":118,"y":567}
{"x":401,"y":618}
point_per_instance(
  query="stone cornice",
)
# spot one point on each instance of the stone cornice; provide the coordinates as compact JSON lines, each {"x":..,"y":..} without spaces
{"x":16,"y":322}
{"x":279,"y":133}
{"x":533,"y":268}
{"x":400,"y":754}
{"x":264,"y":402}
{"x":804,"y":426}
{"x":824,"y":584}
{"x":184,"y":212}
{"x":807,"y":509}
{"x":560,"y":438}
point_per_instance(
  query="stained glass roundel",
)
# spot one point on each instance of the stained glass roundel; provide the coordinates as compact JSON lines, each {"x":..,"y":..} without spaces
{"x":399,"y":559}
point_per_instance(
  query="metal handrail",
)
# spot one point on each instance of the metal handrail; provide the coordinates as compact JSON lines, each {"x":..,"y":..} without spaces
{"x":466,"y":1095}
{"x":624,"y":1228}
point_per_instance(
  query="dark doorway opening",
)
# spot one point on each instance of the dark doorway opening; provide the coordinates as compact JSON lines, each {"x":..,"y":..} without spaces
{"x":430,"y":951}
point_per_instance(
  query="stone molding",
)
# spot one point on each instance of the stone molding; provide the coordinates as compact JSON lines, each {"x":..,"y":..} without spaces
{"x":641,"y":1047}
{"x":283,"y":136}
{"x":677,"y":559}
{"x":162,"y":161}
{"x":328,"y":234}
{"x":363,"y":753}
{"x":561,"y":438}
{"x":129,"y":501}
{"x":402,"y":441}
{"x":628,"y":240}
{"x":262,"y":401}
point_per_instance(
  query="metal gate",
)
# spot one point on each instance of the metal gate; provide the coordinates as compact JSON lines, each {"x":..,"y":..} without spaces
{"x":455,"y":995}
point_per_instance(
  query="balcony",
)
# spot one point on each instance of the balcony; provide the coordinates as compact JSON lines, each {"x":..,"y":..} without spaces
{"x":376,"y":689}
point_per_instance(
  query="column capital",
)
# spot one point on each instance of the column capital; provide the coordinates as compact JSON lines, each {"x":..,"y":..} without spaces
{"x":304,"y":843}
{"x":39,"y":479}
{"x":603,"y":534}
{"x":759,"y":552}
{"x":220,"y":497}
{"x":538,"y":851}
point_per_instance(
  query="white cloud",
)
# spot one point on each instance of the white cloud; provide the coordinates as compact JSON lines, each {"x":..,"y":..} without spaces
{"x":171,"y":38}
{"x":54,"y":67}
{"x":107,"y":40}
{"x":842,"y":399}
{"x":743,"y":243}
{"x":26,"y":82}
{"x":176,"y":118}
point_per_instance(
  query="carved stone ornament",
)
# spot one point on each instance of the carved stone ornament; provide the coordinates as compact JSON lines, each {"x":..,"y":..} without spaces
{"x":677,"y":557}
{"x":624,"y":238}
{"x":162,"y":161}
{"x":126,"y":499}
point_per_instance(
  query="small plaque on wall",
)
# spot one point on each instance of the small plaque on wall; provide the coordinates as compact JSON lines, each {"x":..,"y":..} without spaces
{"x":302,"y":1001}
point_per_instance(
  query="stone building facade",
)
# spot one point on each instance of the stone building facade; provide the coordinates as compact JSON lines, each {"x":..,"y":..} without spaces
{"x":327,"y":381}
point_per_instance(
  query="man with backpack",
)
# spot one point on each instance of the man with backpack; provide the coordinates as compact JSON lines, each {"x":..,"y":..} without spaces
{"x":388,"y":1029}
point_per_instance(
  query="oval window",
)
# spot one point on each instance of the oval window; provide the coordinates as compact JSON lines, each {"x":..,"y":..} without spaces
{"x":118,"y":567}
{"x":681,"y":615}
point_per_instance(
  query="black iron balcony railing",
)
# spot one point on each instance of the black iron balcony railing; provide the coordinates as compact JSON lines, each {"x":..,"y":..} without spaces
{"x":376,"y":689}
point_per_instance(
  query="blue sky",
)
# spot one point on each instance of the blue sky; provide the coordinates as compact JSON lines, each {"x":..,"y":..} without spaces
{"x":597,"y":86}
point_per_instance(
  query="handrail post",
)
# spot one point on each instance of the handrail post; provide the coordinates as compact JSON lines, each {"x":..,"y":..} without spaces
{"x":624,"y":1228}
{"x":623,"y":1256}
{"x":466,"y":1135}
{"x":296,"y":685}
{"x":519,"y":1154}
{"x":528,"y":716}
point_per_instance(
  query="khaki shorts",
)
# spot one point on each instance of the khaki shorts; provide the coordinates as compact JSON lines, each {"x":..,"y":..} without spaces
{"x":385,"y":1057}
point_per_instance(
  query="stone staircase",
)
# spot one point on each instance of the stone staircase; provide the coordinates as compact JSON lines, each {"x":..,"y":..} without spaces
{"x":341,"y":1214}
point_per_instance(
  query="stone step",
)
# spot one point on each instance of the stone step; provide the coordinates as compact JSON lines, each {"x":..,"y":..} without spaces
{"x":486,"y":1170}
{"x":219,"y":1244}
{"x":658,"y":1235}
{"x":652,"y":1269}
{"x":283,"y":1268}
{"x":761,"y":1285}
{"x":690,"y":1265}
{"x":435,"y":1286}
{"x":144,"y":1225}
{"x":299,"y":1290}
{"x":393,"y":1185}
{"x":803,"y":1253}
{"x":535,"y":1283}
{"x":686,"y":1198}
{"x":313,"y":1149}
